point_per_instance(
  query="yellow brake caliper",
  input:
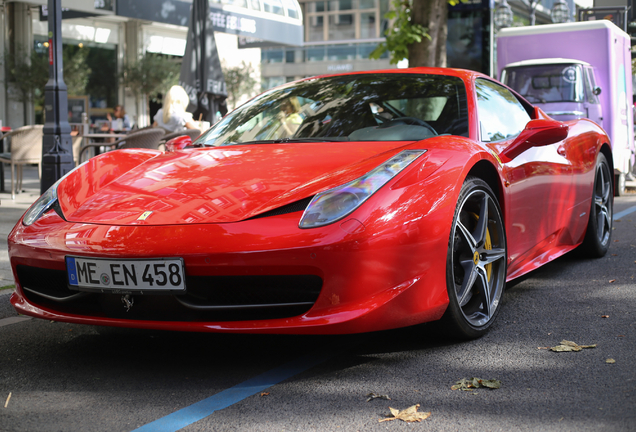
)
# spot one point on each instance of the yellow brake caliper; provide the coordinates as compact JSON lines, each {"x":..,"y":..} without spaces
{"x":487,"y":246}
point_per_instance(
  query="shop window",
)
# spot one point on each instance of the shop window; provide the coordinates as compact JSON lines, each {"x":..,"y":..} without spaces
{"x":239,"y":3}
{"x":367,"y":25}
{"x":291,"y":6}
{"x":365,"y":49}
{"x":341,"y":52}
{"x":318,"y":6}
{"x":273,"y":6}
{"x":368,"y":4}
{"x":340,"y":5}
{"x":342,"y":27}
{"x":316,"y":54}
{"x":316,"y":29}
{"x":272,"y":56}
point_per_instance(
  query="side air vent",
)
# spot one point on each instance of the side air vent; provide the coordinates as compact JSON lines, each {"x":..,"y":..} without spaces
{"x":289,"y":208}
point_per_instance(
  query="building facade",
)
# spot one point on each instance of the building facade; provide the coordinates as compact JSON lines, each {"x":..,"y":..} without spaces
{"x":120,"y":31}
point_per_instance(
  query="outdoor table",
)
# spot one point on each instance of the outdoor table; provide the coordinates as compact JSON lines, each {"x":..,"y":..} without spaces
{"x":89,"y":136}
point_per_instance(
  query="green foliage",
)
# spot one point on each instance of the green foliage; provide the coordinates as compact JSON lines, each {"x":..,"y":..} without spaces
{"x":76,"y":70}
{"x":239,"y":81}
{"x":402,"y":34}
{"x":100,"y":84}
{"x":152,"y":74}
{"x":28,"y":73}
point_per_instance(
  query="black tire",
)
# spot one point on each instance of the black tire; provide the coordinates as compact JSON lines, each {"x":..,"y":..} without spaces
{"x":619,"y":184}
{"x":599,"y":225}
{"x":476,"y":262}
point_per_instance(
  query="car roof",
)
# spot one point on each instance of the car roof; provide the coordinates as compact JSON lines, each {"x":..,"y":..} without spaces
{"x":460,"y":73}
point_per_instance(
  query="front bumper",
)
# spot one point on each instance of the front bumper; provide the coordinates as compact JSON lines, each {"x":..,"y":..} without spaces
{"x":338,"y":279}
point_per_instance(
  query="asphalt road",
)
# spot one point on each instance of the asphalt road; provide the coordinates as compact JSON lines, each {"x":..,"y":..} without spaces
{"x":65,"y":377}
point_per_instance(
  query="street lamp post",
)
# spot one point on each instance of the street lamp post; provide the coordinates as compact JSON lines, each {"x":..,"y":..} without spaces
{"x":57,"y":147}
{"x":560,"y":12}
{"x":503,"y":16}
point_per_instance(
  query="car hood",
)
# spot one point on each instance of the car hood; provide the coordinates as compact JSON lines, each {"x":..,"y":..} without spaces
{"x":211,"y":185}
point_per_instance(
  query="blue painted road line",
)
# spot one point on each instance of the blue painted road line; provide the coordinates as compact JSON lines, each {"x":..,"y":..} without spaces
{"x":624,"y":213}
{"x":224,"y":399}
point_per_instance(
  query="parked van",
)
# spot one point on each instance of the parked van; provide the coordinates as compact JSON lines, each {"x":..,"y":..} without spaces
{"x":575,"y":70}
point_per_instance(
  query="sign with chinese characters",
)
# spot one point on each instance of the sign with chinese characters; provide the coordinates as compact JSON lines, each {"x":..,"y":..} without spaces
{"x":265,"y":26}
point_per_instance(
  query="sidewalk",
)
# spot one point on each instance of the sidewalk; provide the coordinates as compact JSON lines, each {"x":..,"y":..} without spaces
{"x":10,"y":213}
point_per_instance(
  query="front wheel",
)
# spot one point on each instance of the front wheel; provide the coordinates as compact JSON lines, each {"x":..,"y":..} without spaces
{"x":476,"y":262}
{"x":599,"y":225}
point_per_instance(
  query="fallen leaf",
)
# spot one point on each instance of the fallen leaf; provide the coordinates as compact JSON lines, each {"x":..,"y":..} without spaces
{"x":371,"y":396}
{"x":6,"y":404}
{"x":614,"y":254}
{"x":408,"y":415}
{"x":604,"y":316}
{"x":610,"y":361}
{"x":567,"y":346}
{"x":264,"y":394}
{"x":466,"y":384}
{"x":612,"y":281}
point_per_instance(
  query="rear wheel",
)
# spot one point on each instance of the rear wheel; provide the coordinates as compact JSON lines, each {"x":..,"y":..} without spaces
{"x":599,"y":225}
{"x":476,"y":262}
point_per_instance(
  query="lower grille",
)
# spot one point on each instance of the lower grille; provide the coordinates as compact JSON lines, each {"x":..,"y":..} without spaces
{"x":208,"y":298}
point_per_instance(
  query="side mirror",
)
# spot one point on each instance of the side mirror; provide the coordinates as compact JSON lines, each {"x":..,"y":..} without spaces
{"x":178,"y":143}
{"x":596,"y":91}
{"x":537,"y":133}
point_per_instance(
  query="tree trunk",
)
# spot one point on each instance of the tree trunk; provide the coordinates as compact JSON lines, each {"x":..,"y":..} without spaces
{"x":433,"y":15}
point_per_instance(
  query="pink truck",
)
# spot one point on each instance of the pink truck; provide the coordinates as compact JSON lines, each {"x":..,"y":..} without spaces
{"x":575,"y":70}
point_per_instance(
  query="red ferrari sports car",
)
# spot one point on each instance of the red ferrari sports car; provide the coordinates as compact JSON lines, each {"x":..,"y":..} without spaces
{"x":335,"y":204}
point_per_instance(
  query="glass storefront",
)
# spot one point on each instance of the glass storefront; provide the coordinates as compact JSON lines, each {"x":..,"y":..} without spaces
{"x":344,"y":19}
{"x":90,"y":69}
{"x":319,"y":53}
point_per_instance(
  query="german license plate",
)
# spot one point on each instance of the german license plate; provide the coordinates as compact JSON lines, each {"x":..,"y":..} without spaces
{"x":162,"y":275}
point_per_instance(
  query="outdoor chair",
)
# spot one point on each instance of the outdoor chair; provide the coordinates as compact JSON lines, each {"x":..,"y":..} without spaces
{"x":77,"y":146}
{"x":26,"y":148}
{"x":146,"y":138}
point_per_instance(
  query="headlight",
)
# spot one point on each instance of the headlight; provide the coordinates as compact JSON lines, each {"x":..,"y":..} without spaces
{"x":42,"y":205}
{"x":45,"y":202}
{"x":334,"y":204}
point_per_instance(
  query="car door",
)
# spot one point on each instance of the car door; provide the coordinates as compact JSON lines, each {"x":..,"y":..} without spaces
{"x":538,"y":181}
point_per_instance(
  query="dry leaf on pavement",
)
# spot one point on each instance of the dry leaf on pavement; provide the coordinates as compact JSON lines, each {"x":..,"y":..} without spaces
{"x":408,"y":415}
{"x":371,"y":396}
{"x":469,"y":384}
{"x":569,"y":346}
{"x":610,"y":361}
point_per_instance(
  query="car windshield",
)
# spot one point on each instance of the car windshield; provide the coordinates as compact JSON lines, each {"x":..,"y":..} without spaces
{"x":366,"y":107}
{"x":547,"y":83}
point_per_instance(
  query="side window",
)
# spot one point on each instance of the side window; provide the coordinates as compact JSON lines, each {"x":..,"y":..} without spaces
{"x":501,"y":115}
{"x":590,"y":84}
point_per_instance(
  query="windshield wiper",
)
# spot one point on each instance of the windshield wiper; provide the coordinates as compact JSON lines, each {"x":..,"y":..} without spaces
{"x":289,"y":140}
